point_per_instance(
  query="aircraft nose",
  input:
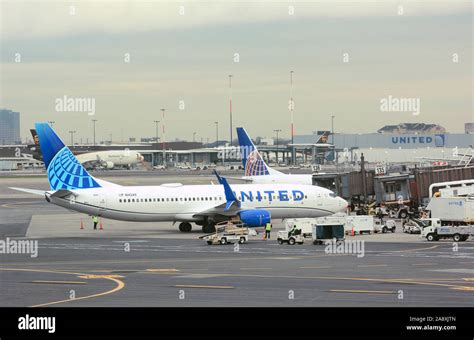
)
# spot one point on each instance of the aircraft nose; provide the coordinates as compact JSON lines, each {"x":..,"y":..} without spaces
{"x":342,"y":204}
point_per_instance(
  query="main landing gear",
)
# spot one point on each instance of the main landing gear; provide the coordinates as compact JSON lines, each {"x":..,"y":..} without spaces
{"x":207,"y":228}
{"x":185,"y":227}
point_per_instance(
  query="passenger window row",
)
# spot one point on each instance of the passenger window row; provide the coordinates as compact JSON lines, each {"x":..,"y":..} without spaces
{"x":180,"y":199}
{"x":168,"y":199}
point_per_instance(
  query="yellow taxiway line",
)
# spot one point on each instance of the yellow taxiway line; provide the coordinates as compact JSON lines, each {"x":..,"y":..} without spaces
{"x":396,"y":281}
{"x":11,"y":205}
{"x":115,"y":278}
{"x":60,"y":282}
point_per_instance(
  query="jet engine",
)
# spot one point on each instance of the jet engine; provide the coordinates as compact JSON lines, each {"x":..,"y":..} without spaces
{"x":255,"y":217}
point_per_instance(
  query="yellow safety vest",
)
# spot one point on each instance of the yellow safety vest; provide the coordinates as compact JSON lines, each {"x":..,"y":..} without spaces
{"x":95,"y":219}
{"x":268,"y":227}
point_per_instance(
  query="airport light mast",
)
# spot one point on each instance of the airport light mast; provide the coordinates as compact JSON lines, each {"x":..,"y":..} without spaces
{"x":230,"y":106}
{"x":163,"y":136}
{"x":72,"y":132}
{"x":217,"y":143}
{"x":93,"y":122}
{"x":277,"y":132}
{"x":291,"y":106}
{"x":156,"y":130}
{"x":332,"y":129}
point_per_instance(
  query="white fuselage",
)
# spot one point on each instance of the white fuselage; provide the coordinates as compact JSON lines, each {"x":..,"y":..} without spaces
{"x":281,"y":178}
{"x":188,"y":202}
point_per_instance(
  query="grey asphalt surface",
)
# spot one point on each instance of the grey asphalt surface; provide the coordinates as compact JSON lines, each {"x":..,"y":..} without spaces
{"x":106,"y":268}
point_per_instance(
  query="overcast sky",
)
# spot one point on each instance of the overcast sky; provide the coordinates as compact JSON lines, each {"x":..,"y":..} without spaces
{"x":79,"y":52}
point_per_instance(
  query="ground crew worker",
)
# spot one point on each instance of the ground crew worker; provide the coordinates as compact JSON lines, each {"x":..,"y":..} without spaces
{"x":95,"y":219}
{"x":268,"y":229}
{"x":292,"y":231}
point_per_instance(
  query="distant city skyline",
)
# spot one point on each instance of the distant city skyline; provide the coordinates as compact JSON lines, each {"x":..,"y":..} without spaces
{"x":9,"y":127}
{"x":135,"y":58}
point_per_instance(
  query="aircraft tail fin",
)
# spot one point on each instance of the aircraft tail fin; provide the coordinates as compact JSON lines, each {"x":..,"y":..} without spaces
{"x":63,"y":169}
{"x":253,"y":163}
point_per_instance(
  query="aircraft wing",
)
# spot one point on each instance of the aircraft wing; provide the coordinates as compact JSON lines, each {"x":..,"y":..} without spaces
{"x":219,"y":210}
{"x":230,"y":208}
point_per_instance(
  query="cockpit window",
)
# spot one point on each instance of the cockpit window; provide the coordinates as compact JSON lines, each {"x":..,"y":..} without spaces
{"x":331,"y":194}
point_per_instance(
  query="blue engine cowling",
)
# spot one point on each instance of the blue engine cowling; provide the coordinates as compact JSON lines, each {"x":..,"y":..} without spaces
{"x":255,"y":217}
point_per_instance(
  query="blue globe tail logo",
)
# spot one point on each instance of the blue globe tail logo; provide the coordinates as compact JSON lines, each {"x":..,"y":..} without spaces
{"x":255,"y":166}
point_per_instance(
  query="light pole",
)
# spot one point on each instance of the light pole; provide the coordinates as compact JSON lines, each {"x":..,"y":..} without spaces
{"x":156,"y":132}
{"x":194,"y":137}
{"x":72,"y":132}
{"x":163,"y":136}
{"x":292,"y":107}
{"x":332,"y":129}
{"x":277,"y":132}
{"x":230,"y":106}
{"x":94,"y":121}
{"x":217,"y":144}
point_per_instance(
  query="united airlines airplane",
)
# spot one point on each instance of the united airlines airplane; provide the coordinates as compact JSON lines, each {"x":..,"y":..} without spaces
{"x":257,"y":171}
{"x":72,"y":187}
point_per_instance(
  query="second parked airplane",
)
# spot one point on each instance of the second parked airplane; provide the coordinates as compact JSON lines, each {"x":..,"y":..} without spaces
{"x":257,"y":171}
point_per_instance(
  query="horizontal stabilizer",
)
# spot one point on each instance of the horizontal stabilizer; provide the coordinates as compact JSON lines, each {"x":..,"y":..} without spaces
{"x":242,"y":179}
{"x":30,"y":191}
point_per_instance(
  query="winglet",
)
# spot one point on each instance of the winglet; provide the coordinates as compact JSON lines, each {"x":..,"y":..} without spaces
{"x":229,"y":194}
{"x":219,"y":178}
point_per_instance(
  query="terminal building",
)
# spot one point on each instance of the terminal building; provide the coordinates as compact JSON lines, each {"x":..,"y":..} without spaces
{"x":397,"y":143}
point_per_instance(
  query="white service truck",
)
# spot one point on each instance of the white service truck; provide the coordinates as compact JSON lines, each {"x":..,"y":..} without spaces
{"x":434,"y":231}
{"x":450,"y":217}
{"x":359,"y":224}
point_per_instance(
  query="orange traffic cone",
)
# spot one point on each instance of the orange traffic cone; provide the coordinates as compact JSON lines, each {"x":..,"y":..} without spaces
{"x":101,"y":224}
{"x":82,"y":224}
{"x":353,"y":231}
